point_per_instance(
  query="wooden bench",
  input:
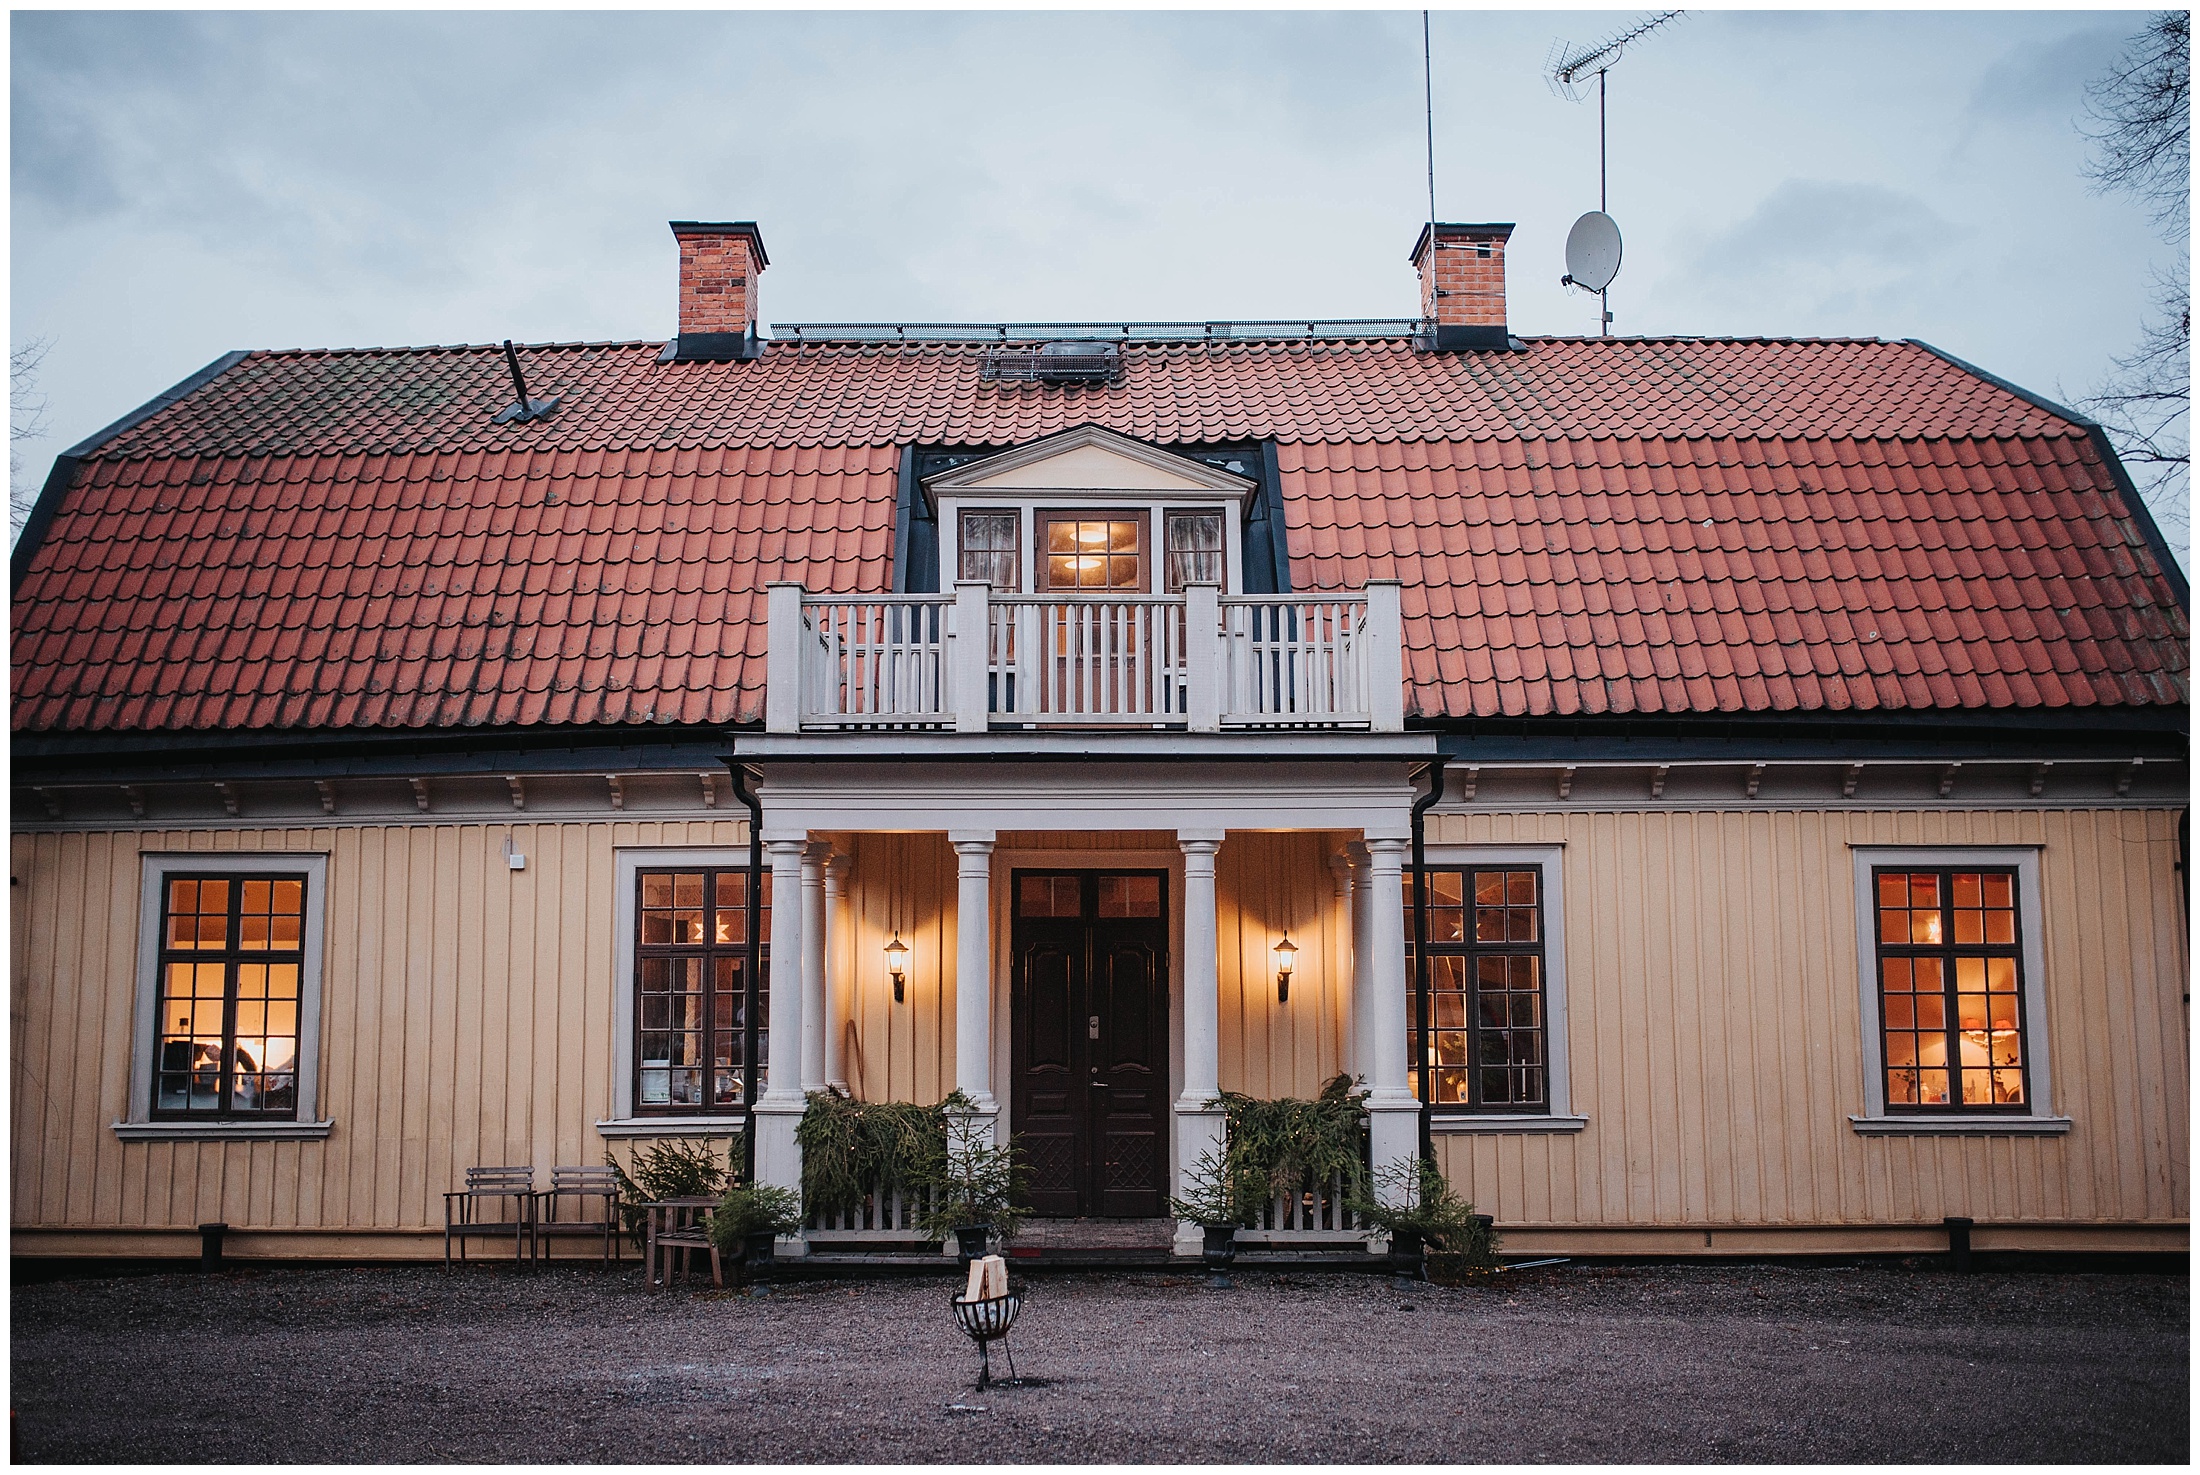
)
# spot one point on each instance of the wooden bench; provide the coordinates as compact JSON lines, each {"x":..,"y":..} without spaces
{"x":583,"y":1185}
{"x":479,"y":1210}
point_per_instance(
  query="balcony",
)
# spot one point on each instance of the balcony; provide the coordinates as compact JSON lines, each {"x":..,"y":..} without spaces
{"x":981,"y":660}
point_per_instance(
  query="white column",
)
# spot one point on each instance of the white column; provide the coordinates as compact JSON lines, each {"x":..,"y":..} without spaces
{"x":779,"y":1110}
{"x":1340,"y":880}
{"x":839,"y":960}
{"x":1363,"y":949}
{"x":814,"y":1015}
{"x":1199,"y":1126}
{"x":974,"y":966}
{"x":1394,"y":1124}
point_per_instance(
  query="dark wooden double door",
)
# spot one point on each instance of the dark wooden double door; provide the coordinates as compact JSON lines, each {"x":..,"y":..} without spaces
{"x":1089,"y":1028}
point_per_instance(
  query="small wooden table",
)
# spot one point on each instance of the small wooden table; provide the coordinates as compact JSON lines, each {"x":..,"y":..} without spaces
{"x":679,"y":1226}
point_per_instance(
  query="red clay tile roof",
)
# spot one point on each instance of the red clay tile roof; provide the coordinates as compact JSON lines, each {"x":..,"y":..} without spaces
{"x":346,"y":540}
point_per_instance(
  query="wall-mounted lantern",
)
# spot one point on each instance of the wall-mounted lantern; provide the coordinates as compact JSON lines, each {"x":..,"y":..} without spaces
{"x":1286,"y":955}
{"x":897,"y":964}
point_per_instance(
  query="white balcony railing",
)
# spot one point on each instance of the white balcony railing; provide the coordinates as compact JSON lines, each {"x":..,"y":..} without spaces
{"x":1200,"y":661}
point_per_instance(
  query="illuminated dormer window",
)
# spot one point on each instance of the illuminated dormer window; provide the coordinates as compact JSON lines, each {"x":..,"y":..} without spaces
{"x":1092,"y":513}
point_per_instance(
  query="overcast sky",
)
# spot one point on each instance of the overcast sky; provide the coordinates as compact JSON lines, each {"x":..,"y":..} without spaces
{"x":185,"y":184}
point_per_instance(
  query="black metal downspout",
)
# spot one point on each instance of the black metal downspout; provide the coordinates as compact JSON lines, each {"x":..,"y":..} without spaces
{"x":751,"y":966}
{"x":1435,"y":774}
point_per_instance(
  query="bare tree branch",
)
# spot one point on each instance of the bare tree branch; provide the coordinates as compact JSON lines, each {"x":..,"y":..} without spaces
{"x":26,"y":421}
{"x":2138,"y":119}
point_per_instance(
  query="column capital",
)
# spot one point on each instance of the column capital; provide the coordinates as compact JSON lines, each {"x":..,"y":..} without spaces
{"x":1356,"y":852}
{"x":1391,"y":852}
{"x":1202,"y":846}
{"x":837,"y":866}
{"x":790,"y":850}
{"x":818,"y":851}
{"x":972,"y":842}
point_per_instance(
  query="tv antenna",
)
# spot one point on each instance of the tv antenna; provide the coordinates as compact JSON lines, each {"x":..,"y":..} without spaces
{"x":1593,"y":245}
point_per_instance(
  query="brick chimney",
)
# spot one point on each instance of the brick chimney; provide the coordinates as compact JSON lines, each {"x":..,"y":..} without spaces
{"x":1463,"y":285}
{"x":719,"y":264}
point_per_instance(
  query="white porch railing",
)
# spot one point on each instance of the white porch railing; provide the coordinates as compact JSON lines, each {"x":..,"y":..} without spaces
{"x":1316,"y":1213}
{"x":886,"y":1216}
{"x":977,"y":659}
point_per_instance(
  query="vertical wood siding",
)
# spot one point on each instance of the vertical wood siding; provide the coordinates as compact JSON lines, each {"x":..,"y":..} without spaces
{"x":466,"y":1018}
{"x":1714,"y":1016}
{"x":1716,"y":1042}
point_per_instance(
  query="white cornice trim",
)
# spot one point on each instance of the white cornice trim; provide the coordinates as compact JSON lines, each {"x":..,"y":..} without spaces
{"x":965,"y":477}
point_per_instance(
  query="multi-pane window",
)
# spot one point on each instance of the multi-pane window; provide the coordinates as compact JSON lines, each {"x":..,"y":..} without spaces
{"x":1193,"y":542}
{"x":989,"y":549}
{"x":1098,"y":553}
{"x":1487,"y":1031}
{"x":1950,"y":1001}
{"x":232,"y":962}
{"x":695,"y":1002}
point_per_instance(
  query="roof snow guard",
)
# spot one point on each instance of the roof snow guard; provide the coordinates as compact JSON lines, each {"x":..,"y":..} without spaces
{"x":1265,"y":330}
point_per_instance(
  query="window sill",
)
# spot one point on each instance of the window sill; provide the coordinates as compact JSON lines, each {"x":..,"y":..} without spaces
{"x":670,"y":1126}
{"x":1508,"y":1123}
{"x":222,"y":1131}
{"x":1980,"y":1125}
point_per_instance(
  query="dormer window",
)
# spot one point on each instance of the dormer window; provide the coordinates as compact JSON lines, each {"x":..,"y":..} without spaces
{"x":1090,"y":513}
{"x":989,"y":547}
{"x":1092,"y":552}
{"x":1194,"y":546}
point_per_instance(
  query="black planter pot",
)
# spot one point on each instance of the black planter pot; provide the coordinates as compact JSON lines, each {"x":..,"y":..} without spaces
{"x":758,"y":1250}
{"x":1407,"y":1254}
{"x":1218,"y":1245}
{"x":970,"y":1241}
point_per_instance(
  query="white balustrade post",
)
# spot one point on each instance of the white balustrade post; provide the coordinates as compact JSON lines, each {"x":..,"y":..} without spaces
{"x":779,"y":1111}
{"x":972,"y":654}
{"x":784,"y":653}
{"x":839,"y":959}
{"x":1384,"y":645}
{"x":974,"y":966}
{"x":1393,"y":1113}
{"x":814,"y":1017}
{"x":1203,"y":674}
{"x":1199,"y":1123}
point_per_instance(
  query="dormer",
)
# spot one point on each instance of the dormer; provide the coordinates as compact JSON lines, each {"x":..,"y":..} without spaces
{"x":1089,"y":511}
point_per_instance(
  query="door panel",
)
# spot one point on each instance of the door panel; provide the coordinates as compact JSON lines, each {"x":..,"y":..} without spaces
{"x":1089,"y":1005}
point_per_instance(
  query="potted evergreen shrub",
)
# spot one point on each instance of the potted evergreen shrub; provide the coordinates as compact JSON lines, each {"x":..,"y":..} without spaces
{"x":1220,"y":1197}
{"x":974,"y":1182}
{"x":1417,"y":1206}
{"x":750,"y":1220}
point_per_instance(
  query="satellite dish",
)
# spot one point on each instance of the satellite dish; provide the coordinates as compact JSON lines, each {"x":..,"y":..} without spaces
{"x":1592,"y":251}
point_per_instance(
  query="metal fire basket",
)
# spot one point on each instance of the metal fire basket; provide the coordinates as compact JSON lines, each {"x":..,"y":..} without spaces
{"x":986,"y":1322}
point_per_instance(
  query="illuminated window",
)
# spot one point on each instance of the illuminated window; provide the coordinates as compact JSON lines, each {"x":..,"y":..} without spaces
{"x":692,"y":1000}
{"x":1951,"y":993}
{"x":231,"y":986}
{"x":1098,"y":553}
{"x":1488,"y":1034}
{"x":988,"y":549}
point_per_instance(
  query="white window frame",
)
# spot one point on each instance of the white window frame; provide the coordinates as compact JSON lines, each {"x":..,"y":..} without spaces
{"x":1032,"y":506}
{"x":1876,"y":1120}
{"x":137,"y":1124}
{"x":627,"y":864}
{"x":1552,"y":859}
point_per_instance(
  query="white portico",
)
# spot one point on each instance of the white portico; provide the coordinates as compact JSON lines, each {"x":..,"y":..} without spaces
{"x":1355,"y":793}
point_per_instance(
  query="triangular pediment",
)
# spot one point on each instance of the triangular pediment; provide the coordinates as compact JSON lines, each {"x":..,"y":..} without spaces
{"x":1090,"y":458}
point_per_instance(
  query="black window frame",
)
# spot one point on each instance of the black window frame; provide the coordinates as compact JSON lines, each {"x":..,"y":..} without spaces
{"x":1948,"y":950}
{"x":1422,"y":1031}
{"x":753,"y":1027}
{"x":231,"y":956}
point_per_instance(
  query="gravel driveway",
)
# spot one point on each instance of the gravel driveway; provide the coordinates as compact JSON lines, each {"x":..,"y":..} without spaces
{"x":1579,"y":1363}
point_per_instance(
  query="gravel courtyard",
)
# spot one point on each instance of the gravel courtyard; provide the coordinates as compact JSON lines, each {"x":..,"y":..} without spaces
{"x":1580,"y":1363}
